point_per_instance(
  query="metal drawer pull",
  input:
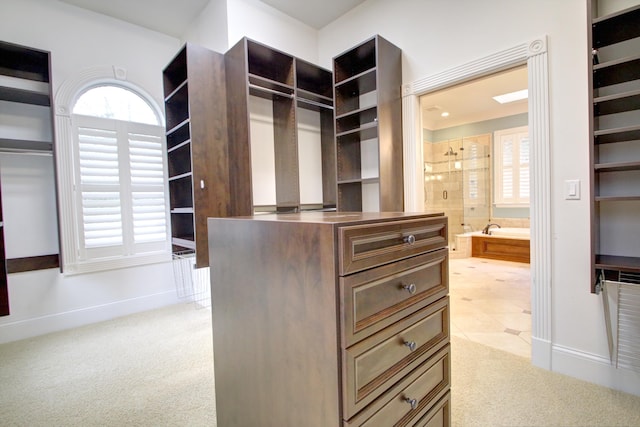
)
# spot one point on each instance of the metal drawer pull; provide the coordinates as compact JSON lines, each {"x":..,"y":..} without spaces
{"x":412,"y":402}
{"x":410,"y":288}
{"x":411,"y":344}
{"x":410,"y":239}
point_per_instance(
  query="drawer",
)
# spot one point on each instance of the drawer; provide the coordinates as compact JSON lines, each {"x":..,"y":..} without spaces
{"x":421,"y":398}
{"x":439,"y":415}
{"x":374,"y":299}
{"x":366,"y":246}
{"x":371,"y":366}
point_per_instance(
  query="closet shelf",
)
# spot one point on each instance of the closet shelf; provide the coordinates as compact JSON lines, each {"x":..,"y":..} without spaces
{"x":24,"y":96}
{"x":619,"y":263}
{"x":178,"y":146}
{"x":184,"y":241}
{"x":182,"y":211}
{"x":181,"y":176}
{"x":359,"y":180}
{"x":366,"y":131}
{"x":621,"y":134}
{"x":21,"y":145}
{"x":616,"y":27}
{"x":178,"y":126}
{"x":617,"y":103}
{"x":176,"y":90}
{"x":617,"y":71}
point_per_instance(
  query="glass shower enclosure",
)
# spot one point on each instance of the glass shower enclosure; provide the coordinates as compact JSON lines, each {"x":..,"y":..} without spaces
{"x":457,"y":179}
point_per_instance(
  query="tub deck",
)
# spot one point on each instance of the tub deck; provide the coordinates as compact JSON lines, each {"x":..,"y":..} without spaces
{"x":501,"y":248}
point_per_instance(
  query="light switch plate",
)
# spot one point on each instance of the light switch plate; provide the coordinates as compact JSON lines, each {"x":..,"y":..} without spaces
{"x":572,"y":189}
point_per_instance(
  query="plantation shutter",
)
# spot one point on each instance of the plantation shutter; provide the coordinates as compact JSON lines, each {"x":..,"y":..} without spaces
{"x":511,"y":163}
{"x":121,"y":188}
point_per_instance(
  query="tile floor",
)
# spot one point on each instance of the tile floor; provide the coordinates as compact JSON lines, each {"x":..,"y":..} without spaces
{"x":491,"y":303}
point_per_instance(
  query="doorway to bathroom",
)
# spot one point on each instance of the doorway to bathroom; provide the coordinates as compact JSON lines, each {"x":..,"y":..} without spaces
{"x":476,"y":157}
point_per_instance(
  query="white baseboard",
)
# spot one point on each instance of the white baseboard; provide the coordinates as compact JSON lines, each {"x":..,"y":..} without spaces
{"x":595,"y":369}
{"x":22,"y":329}
{"x":541,"y":353}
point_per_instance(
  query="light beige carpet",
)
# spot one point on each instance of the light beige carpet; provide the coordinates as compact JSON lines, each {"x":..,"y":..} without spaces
{"x":156,"y":369}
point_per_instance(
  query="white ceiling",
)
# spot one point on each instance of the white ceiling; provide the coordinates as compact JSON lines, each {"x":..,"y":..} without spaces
{"x":173,"y":17}
{"x":473,"y":101}
{"x":466,"y":103}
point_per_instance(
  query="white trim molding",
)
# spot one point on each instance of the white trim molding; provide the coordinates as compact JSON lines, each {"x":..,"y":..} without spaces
{"x":65,"y":99}
{"x":534,"y":54}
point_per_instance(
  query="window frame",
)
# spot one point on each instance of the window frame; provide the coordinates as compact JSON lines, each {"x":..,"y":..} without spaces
{"x":72,"y":260}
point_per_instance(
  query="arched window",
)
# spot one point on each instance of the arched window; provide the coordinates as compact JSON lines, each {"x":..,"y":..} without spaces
{"x":118,"y":196}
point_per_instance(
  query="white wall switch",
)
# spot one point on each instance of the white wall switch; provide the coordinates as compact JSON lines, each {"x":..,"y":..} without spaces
{"x":572,"y":189}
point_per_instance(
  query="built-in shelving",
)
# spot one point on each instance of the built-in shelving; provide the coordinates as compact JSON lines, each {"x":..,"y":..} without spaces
{"x":25,"y":93}
{"x":615,"y":150}
{"x":197,"y":156}
{"x":25,"y":89}
{"x":269,"y":92}
{"x":368,"y":127}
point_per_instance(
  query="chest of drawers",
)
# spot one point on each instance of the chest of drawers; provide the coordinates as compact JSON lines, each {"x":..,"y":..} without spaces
{"x":330,"y":319}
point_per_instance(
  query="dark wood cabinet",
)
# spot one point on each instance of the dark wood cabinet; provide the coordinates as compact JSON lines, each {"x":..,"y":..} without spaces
{"x":368,"y":126}
{"x":269,"y":94}
{"x":26,"y":98}
{"x":197,"y":151}
{"x":330,"y":319}
{"x":615,"y":149}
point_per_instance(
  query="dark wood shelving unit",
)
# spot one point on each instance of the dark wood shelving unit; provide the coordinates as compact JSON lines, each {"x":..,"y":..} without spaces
{"x":617,"y":76}
{"x":197,"y":153}
{"x":368,"y":123}
{"x":256,"y":70}
{"x":26,"y":81}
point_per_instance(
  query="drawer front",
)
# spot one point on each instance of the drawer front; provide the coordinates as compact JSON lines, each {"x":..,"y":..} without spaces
{"x":366,"y":246}
{"x":376,"y":298}
{"x":374,"y":364}
{"x":419,"y":399}
{"x":439,"y":415}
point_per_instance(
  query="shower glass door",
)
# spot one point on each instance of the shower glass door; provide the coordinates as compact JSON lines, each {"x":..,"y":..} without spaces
{"x":457,"y":182}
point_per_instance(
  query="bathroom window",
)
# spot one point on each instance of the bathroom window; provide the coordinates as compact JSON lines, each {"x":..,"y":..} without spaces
{"x":118,"y":180}
{"x":511,"y":166}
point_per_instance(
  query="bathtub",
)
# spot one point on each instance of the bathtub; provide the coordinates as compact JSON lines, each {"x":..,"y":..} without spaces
{"x":510,"y":232}
{"x":506,"y":243}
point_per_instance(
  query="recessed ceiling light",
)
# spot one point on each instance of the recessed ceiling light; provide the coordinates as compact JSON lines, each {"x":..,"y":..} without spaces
{"x":445,"y":114}
{"x":513,"y":96}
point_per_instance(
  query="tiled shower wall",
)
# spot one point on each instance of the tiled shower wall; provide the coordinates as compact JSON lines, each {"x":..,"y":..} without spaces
{"x":457,"y":182}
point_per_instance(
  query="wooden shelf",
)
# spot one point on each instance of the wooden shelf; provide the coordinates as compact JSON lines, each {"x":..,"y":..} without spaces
{"x":621,"y":134}
{"x":617,"y":103}
{"x":620,"y":263}
{"x":616,"y":27}
{"x":617,"y":71}
{"x":24,"y":96}
{"x":21,"y":145}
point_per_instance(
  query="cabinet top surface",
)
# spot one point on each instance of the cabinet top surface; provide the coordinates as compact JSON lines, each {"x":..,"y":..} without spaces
{"x":337,"y":217}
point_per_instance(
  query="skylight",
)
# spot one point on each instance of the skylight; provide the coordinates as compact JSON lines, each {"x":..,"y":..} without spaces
{"x":512,"y":96}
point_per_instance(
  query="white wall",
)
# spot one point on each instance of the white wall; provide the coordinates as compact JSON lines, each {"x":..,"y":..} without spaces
{"x":267,"y":25}
{"x":435,"y":36}
{"x":210,"y":28}
{"x":44,"y":301}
